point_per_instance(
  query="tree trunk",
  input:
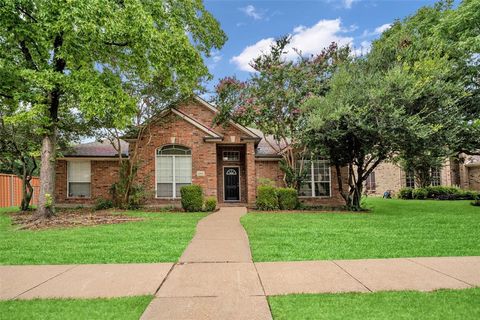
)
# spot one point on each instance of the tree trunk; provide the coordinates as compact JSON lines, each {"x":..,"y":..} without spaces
{"x":47,"y":177}
{"x":27,"y":190}
{"x":356,"y":199}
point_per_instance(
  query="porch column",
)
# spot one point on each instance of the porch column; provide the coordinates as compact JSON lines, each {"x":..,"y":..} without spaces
{"x":251,"y":174}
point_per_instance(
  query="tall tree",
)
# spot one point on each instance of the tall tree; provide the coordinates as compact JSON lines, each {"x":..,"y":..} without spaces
{"x":359,"y":124}
{"x":19,"y":149}
{"x":405,"y":98}
{"x":270,"y":99}
{"x":64,"y":57}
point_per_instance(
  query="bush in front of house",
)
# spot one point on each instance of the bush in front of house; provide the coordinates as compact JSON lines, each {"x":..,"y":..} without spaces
{"x":476,"y":201}
{"x":420,"y":193}
{"x":450,"y":193}
{"x":438,"y":193}
{"x":210,"y":204}
{"x":287,"y":198}
{"x":405,"y":193}
{"x":192,"y":198}
{"x":267,"y":198}
{"x":103,"y":204}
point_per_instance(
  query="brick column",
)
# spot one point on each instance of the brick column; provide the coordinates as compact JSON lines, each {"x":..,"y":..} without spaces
{"x":251,"y":176}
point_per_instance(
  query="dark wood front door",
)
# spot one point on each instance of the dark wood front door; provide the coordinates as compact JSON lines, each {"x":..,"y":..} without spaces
{"x":231,"y":183}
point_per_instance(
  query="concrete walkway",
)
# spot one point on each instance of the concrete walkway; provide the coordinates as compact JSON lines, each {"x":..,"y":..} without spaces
{"x":216,"y":278}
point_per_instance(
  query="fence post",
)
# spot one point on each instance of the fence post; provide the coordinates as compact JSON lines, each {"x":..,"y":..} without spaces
{"x":11,"y":191}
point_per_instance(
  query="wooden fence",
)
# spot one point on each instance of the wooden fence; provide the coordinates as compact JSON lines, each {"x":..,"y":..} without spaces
{"x":11,"y":190}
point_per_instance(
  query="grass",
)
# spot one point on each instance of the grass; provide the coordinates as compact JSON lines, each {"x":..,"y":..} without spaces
{"x":442,"y":304}
{"x":51,"y":309}
{"x":393,"y":228}
{"x":161,"y":237}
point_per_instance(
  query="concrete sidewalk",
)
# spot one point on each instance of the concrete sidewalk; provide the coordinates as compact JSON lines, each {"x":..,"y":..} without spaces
{"x":216,"y":278}
{"x":81,"y":281}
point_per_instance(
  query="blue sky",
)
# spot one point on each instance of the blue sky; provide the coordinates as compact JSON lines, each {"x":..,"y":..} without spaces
{"x":251,"y":26}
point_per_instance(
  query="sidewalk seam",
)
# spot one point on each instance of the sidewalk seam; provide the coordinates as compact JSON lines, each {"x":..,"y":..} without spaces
{"x":53,"y":277}
{"x":433,"y":269}
{"x":344,"y":270}
{"x":164,"y":279}
{"x":263,"y":288}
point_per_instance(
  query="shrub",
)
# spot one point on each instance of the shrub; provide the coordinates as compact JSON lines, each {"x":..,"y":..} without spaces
{"x":471,"y":195}
{"x":420,"y":193}
{"x":192,"y":198}
{"x":265,"y":182}
{"x":287,"y":198}
{"x":103,"y":204}
{"x":405,"y":193}
{"x":210,"y":204}
{"x":267,"y":198}
{"x":137,"y":196}
{"x":476,"y":201}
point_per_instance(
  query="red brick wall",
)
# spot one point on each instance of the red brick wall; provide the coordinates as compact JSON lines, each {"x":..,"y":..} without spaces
{"x":270,"y":170}
{"x":205,"y":116}
{"x":174,"y":130}
{"x":103,"y":175}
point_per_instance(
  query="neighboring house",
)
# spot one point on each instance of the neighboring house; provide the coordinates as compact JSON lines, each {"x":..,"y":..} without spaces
{"x":388,"y":176}
{"x":182,"y":147}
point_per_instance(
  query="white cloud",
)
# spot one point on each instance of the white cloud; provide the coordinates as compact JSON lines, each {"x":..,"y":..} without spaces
{"x":364,"y":48}
{"x":252,"y":12}
{"x":309,"y":40}
{"x":214,"y":59}
{"x":382,"y":28}
{"x":251,"y":52}
{"x":347,"y":4}
{"x":378,"y":30}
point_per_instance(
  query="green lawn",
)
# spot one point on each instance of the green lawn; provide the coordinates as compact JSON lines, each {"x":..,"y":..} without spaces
{"x":51,"y":309}
{"x":442,"y":304}
{"x":161,"y":237}
{"x":393,"y":228}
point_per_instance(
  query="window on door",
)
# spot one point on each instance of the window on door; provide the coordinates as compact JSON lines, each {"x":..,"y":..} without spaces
{"x":79,"y":179}
{"x":173,"y":170}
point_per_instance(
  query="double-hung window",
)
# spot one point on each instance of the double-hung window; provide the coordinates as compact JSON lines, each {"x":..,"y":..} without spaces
{"x":79,"y":179}
{"x":173,"y":170}
{"x":435,"y":174}
{"x":370,"y":184}
{"x":317,"y":179}
{"x":410,"y":179}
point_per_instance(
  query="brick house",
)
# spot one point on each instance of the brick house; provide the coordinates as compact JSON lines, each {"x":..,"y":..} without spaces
{"x":464,"y":173}
{"x":182,"y":147}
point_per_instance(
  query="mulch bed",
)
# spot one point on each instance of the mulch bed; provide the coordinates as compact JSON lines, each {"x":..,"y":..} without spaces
{"x":69,"y":219}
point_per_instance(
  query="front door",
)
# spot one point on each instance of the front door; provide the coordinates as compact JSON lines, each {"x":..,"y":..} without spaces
{"x":231,"y":183}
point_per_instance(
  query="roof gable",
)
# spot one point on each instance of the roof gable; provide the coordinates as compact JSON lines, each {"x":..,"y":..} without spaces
{"x":244,"y":129}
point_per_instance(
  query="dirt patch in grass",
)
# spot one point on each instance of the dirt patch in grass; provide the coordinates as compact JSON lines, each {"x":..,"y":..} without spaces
{"x":69,"y":219}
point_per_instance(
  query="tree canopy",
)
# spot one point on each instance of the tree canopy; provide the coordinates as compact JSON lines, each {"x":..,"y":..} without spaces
{"x":60,"y":58}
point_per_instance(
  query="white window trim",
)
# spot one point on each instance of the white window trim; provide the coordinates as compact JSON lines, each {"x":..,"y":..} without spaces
{"x":68,"y":180}
{"x":312,"y":171}
{"x":174,"y":191}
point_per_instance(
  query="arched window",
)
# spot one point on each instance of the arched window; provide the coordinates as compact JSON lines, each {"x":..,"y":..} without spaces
{"x":173,"y":170}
